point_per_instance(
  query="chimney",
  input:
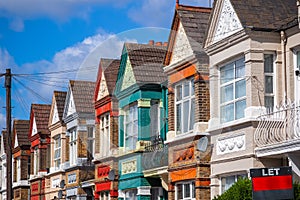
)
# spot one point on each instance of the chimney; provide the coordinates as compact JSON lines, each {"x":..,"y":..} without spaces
{"x":151,"y":42}
{"x":158,"y":43}
{"x":177,"y":3}
{"x":165,"y":44}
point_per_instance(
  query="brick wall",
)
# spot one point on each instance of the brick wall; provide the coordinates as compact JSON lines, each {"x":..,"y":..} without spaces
{"x":171,"y":110}
{"x":202,"y":111}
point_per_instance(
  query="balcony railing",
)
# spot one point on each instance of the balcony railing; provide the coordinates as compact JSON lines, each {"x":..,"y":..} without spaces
{"x":280,"y":125}
{"x":155,"y":154}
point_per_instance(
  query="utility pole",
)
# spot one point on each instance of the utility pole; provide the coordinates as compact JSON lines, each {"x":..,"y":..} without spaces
{"x":9,"y":190}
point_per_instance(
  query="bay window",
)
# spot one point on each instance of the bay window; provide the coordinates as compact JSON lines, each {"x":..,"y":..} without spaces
{"x":233,"y":91}
{"x":90,"y":142}
{"x":131,"y":194}
{"x":228,"y":181}
{"x":104,"y":134}
{"x":57,"y":152}
{"x":185,"y":191}
{"x":131,"y":127}
{"x":269,"y":81}
{"x":155,"y":118}
{"x":185,"y":106}
{"x":73,"y":147}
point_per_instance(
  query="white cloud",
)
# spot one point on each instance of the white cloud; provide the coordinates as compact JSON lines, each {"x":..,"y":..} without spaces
{"x":6,"y":60}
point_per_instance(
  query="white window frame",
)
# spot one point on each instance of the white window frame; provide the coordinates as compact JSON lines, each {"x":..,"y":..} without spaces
{"x":104,"y":195}
{"x":131,"y":118}
{"x":180,"y":100}
{"x":155,"y":123}
{"x":296,"y":50}
{"x":191,"y":185}
{"x":57,"y":148}
{"x":234,"y":80}
{"x":235,"y":176}
{"x":18,"y":168}
{"x":270,"y":74}
{"x":35,"y":160}
{"x":73,"y":147}
{"x":105,"y":134}
{"x":130,"y":194}
{"x":91,"y":140}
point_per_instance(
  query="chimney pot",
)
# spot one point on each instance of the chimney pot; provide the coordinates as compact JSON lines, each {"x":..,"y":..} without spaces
{"x":151,"y":42}
{"x":165,"y":44}
{"x":158,"y":43}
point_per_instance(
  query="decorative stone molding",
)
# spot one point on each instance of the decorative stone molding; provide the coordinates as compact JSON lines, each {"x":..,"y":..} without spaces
{"x":228,"y":22}
{"x":129,"y":166}
{"x":144,"y":190}
{"x":184,"y":155}
{"x":231,"y":144}
{"x":144,"y":103}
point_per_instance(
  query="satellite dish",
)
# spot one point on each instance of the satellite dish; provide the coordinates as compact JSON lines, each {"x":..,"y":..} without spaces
{"x":60,"y":194}
{"x":62,"y":184}
{"x":202,"y":144}
{"x":111,"y":175}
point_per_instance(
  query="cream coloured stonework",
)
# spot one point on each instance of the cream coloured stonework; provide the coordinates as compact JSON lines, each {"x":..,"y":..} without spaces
{"x":103,"y":91}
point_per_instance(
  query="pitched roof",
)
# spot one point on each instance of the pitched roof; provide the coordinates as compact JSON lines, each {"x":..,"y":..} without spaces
{"x":41,"y":113}
{"x":110,"y":67}
{"x":60,"y":98}
{"x":268,"y":14}
{"x":21,"y":128}
{"x":83,"y":93}
{"x":194,"y":21}
{"x":147,"y":62}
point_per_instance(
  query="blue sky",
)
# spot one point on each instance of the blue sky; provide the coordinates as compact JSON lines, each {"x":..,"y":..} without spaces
{"x":54,"y":35}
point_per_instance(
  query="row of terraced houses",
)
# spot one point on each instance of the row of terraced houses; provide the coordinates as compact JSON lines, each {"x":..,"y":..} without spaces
{"x":177,"y":120}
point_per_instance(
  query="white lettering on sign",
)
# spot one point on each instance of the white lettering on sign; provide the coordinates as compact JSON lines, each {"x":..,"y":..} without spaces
{"x":270,"y":172}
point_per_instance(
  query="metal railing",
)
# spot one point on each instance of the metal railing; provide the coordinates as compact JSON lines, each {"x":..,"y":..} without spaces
{"x":278,"y":125}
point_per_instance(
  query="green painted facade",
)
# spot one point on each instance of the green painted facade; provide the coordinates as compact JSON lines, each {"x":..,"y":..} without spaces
{"x":128,"y":93}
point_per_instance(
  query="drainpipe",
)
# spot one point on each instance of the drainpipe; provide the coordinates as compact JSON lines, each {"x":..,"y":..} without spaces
{"x":283,"y":47}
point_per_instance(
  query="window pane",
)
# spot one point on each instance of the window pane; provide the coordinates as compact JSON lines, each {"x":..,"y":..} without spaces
{"x":178,"y":93}
{"x":240,"y":89}
{"x":269,"y":84}
{"x":187,"y":191}
{"x":268,"y":63}
{"x":192,"y":114}
{"x":185,"y":116}
{"x":227,"y":113}
{"x":227,"y":93}
{"x":240,"y":68}
{"x":186,"y":89}
{"x":227,"y":73}
{"x":240,"y":106}
{"x":178,"y":118}
{"x":193,"y":190}
{"x":179,"y":191}
{"x":269,"y":102}
{"x":192,"y":87}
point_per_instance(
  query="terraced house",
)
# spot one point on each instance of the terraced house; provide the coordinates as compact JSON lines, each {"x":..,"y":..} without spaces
{"x":106,"y":134}
{"x":141,"y":98}
{"x":79,"y":117}
{"x":39,"y":137}
{"x":3,"y":166}
{"x":186,"y":65}
{"x":58,"y":149}
{"x":21,"y":159}
{"x":253,"y":51}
